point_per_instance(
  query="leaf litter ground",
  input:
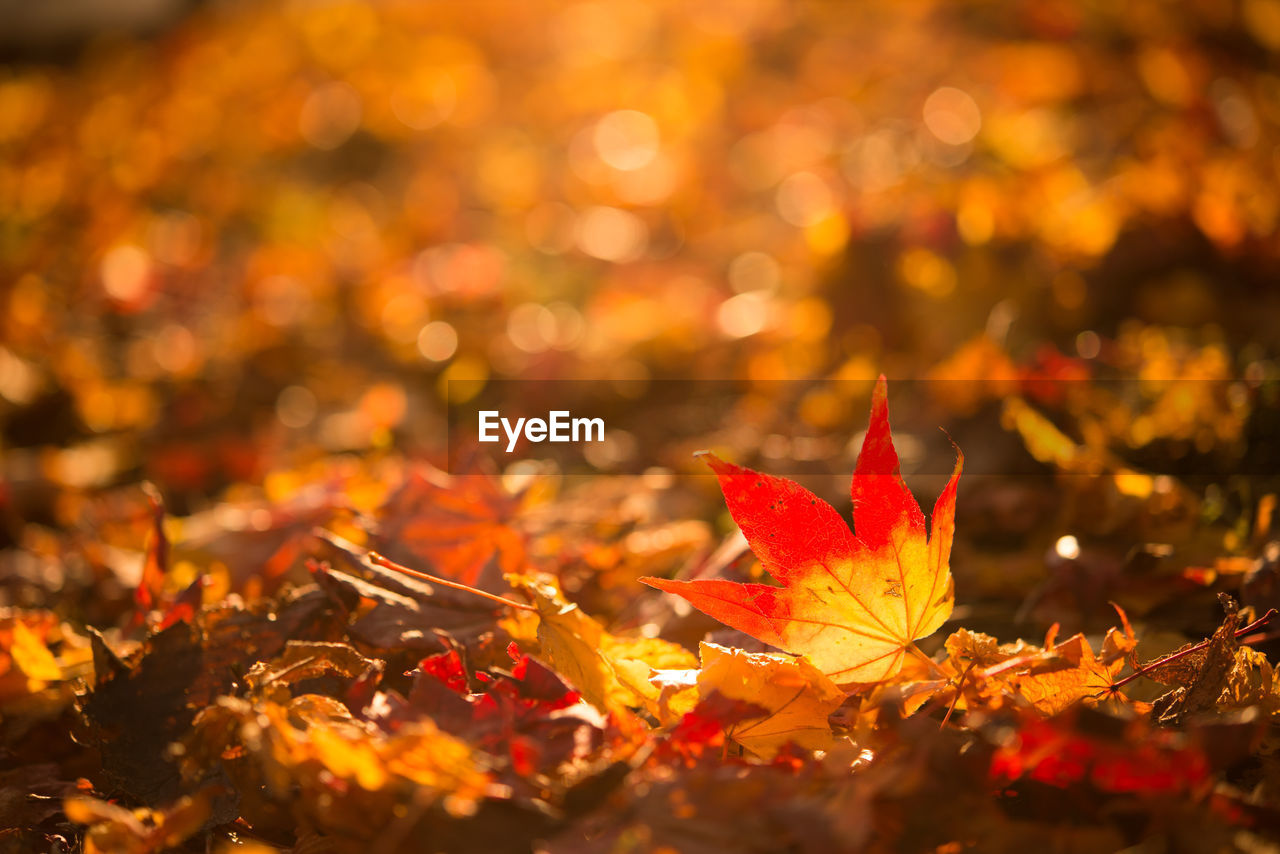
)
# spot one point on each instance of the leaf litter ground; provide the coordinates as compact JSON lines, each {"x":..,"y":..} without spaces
{"x":369,"y":705}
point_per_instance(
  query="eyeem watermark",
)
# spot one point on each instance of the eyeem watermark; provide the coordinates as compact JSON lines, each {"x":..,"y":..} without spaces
{"x":559,"y":427}
{"x":657,"y":424}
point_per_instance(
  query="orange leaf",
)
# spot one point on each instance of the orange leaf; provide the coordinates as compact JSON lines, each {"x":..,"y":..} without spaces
{"x":1054,"y":678}
{"x":794,"y":699}
{"x":853,"y":603}
{"x":1071,"y":673}
{"x":460,"y":525}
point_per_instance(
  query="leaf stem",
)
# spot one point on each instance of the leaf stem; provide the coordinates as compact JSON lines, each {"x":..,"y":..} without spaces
{"x":956,"y":699}
{"x":937,"y":668}
{"x":383,"y":561}
{"x":1174,"y":656}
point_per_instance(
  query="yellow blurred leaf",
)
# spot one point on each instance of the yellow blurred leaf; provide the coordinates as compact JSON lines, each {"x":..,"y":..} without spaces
{"x":437,"y":763}
{"x":611,"y":673}
{"x":83,"y":809}
{"x":33,"y":658}
{"x":1044,"y":441}
{"x":115,"y":830}
{"x":795,"y":693}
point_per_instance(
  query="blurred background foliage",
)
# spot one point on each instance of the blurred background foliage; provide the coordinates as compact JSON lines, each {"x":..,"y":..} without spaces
{"x":245,"y":245}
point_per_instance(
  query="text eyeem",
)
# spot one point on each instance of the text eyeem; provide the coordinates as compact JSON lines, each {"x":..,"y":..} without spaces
{"x":558,"y":426}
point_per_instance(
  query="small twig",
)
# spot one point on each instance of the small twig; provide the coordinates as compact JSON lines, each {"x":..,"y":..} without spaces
{"x":956,"y":699}
{"x":1160,"y":662}
{"x":388,"y":563}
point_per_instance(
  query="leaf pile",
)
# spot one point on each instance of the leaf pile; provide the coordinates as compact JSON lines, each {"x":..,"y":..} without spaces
{"x":365,"y":705}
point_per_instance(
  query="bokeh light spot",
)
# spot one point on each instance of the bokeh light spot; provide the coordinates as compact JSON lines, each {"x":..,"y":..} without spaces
{"x":1067,"y":547}
{"x":330,"y":115}
{"x":952,"y":115}
{"x":437,"y":341}
{"x":612,"y":234}
{"x":126,"y":273}
{"x":296,"y":407}
{"x":744,"y":314}
{"x":627,"y":140}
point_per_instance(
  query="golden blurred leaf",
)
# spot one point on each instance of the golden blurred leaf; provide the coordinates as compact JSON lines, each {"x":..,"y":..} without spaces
{"x":115,"y":830}
{"x":612,"y":673}
{"x":31,"y":655}
{"x":797,"y":696}
{"x":294,"y":753}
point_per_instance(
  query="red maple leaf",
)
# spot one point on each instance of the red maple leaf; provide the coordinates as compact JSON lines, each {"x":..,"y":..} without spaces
{"x":853,"y":603}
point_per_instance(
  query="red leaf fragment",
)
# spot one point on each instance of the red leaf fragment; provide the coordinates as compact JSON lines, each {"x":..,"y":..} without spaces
{"x":156,"y":563}
{"x":1050,"y":752}
{"x":185,"y":605}
{"x":706,"y":724}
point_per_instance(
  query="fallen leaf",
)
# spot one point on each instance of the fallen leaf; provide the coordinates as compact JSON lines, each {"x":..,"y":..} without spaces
{"x":527,"y":714}
{"x":185,"y":605}
{"x":27,"y":665}
{"x":853,"y":603}
{"x":405,"y":613}
{"x":345,"y":776}
{"x":794,"y":698}
{"x":458,"y":525}
{"x":1068,"y":673}
{"x":136,"y":709}
{"x":1218,"y":673}
{"x":703,"y":726}
{"x":1252,"y":682}
{"x":115,"y":830}
{"x":30,"y":794}
{"x":611,"y":672}
{"x":966,"y":647}
{"x":308,"y":660}
{"x":1061,"y":674}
